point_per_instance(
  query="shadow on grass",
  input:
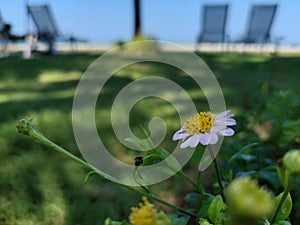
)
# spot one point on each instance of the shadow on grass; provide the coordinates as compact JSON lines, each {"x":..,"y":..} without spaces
{"x":16,"y":68}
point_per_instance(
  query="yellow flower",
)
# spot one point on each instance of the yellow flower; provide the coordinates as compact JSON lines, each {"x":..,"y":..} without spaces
{"x":146,"y":214}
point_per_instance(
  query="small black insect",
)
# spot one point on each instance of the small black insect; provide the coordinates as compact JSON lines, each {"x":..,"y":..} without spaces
{"x":138,"y":160}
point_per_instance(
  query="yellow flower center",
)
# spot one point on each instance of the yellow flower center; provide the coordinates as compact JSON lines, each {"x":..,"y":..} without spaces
{"x":145,"y":214}
{"x":200,"y":123}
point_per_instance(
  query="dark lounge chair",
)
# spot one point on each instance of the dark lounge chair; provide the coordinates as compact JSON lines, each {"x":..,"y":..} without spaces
{"x":45,"y":24}
{"x":260,"y":24}
{"x":214,"y":18}
{"x":6,"y":37}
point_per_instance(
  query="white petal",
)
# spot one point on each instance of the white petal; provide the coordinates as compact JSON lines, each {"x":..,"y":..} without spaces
{"x":220,"y":122}
{"x":213,"y":138}
{"x":230,"y":115}
{"x":222,"y":115}
{"x":225,"y":122}
{"x":227,"y":132}
{"x":204,"y":138}
{"x":191,"y":142}
{"x":184,"y":136}
{"x":178,"y":134}
{"x":217,"y":128}
{"x":230,"y":122}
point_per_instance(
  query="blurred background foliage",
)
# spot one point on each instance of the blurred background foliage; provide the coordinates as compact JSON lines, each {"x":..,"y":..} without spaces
{"x":38,"y":186}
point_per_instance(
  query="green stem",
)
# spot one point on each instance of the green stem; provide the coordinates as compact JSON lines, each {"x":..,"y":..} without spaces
{"x":184,"y":175}
{"x":41,"y":138}
{"x":200,"y":184}
{"x":218,"y":174}
{"x":156,"y":198}
{"x":219,"y":178}
{"x":285,"y":194}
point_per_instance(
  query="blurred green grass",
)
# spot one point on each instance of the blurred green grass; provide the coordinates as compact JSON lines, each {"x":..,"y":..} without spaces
{"x":38,"y":186}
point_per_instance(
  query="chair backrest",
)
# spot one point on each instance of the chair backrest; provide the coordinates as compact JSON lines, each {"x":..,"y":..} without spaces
{"x":44,"y":21}
{"x":2,"y":23}
{"x":214,"y":19}
{"x":260,"y":23}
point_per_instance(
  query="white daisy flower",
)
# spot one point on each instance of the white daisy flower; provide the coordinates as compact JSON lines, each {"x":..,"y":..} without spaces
{"x":204,"y":128}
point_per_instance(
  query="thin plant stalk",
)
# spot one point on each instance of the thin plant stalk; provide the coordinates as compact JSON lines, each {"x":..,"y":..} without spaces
{"x":285,"y":194}
{"x":218,"y":174}
{"x":184,"y":175}
{"x":26,"y":127}
{"x":200,"y":184}
{"x":156,"y":198}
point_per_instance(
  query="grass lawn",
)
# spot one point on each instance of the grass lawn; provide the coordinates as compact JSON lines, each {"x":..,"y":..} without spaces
{"x":39,"y":186}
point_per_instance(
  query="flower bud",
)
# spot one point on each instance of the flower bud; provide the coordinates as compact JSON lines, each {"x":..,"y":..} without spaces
{"x":247,"y":202}
{"x":291,"y":161}
{"x":25,"y":126}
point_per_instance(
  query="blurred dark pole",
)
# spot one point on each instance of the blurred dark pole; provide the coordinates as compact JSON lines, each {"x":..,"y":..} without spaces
{"x":137,"y":18}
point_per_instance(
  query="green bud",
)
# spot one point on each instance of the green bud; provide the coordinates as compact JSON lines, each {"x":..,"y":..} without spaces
{"x":247,"y":202}
{"x":291,"y":162}
{"x":25,"y":126}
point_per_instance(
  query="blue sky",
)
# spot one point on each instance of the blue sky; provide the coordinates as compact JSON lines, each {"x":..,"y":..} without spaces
{"x":170,"y":20}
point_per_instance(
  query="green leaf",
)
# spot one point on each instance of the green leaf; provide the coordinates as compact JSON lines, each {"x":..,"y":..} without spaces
{"x":180,"y":220}
{"x":193,"y":199}
{"x":137,"y":142}
{"x":285,"y":209}
{"x":246,"y":157}
{"x":161,"y":152}
{"x":237,"y":155}
{"x":173,"y":163}
{"x":204,"y":206}
{"x":89,"y":175}
{"x":263,"y":222}
{"x":283,"y":175}
{"x":203,"y":221}
{"x":222,"y":218}
{"x":108,"y":221}
{"x":283,"y":222}
{"x":215,"y":207}
{"x":142,"y":144}
{"x":156,"y":153}
{"x":270,"y":176}
{"x":151,"y":159}
{"x":149,"y":142}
